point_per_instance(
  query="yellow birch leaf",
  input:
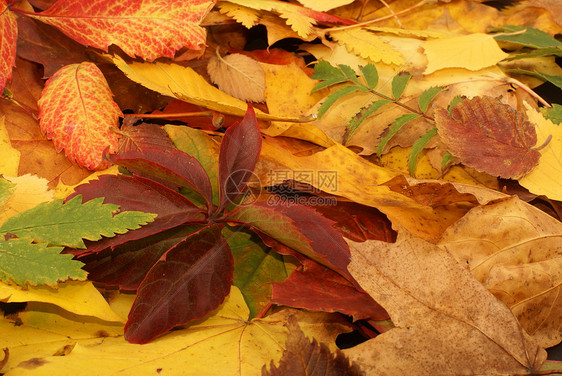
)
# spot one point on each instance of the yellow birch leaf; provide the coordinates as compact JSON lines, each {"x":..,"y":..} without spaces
{"x":77,"y":112}
{"x":367,"y":45}
{"x":80,"y":298}
{"x":29,"y":192}
{"x":246,"y":16}
{"x":9,"y":157}
{"x":473,"y":52}
{"x":223,"y":343}
{"x":546,"y":177}
{"x":185,"y":84}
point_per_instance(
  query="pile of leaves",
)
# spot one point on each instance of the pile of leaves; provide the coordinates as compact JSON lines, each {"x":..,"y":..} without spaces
{"x":245,"y":181}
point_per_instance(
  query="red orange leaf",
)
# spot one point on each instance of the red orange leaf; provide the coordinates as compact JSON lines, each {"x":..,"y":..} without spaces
{"x":9,"y":33}
{"x":489,"y":136}
{"x":189,"y":281}
{"x":145,"y":28}
{"x":77,"y":111}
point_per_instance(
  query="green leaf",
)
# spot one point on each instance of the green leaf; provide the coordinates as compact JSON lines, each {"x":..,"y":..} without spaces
{"x":456,"y":100}
{"x":556,"y":80}
{"x":6,"y":190}
{"x":349,"y":73}
{"x":23,"y":262}
{"x":394,"y":128}
{"x":328,"y":74}
{"x":399,"y":84}
{"x":256,"y":267}
{"x":332,"y":98}
{"x":417,"y":148}
{"x":526,"y":36}
{"x":371,"y":75}
{"x":427,"y":96}
{"x":548,"y":51}
{"x":55,"y":223}
{"x":356,"y":121}
{"x":554,"y":114}
{"x":446,"y":158}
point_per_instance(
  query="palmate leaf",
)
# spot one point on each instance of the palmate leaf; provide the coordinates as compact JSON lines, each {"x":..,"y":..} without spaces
{"x":25,"y":263}
{"x":189,"y":281}
{"x":55,"y":223}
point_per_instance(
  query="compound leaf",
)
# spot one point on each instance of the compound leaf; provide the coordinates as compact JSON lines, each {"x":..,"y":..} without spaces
{"x":417,"y":148}
{"x":332,"y":98}
{"x":399,"y":84}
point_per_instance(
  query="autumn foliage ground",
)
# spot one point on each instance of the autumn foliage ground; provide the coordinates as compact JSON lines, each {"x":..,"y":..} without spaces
{"x":311,"y":187}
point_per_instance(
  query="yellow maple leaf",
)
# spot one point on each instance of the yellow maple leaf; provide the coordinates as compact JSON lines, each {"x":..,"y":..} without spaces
{"x":473,"y":52}
{"x":546,"y":177}
{"x":367,"y":45}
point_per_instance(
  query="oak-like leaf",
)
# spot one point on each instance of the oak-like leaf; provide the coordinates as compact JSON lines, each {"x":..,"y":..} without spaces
{"x":189,"y":281}
{"x":489,"y":136}
{"x":77,"y":112}
{"x":9,"y":32}
{"x":148,"y":29}
{"x":239,"y":152}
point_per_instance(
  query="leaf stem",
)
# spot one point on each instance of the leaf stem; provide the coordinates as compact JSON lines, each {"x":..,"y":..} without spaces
{"x":403,"y":105}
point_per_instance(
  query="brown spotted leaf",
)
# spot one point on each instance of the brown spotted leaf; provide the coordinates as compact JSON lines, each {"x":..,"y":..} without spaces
{"x":489,"y":136}
{"x":77,"y":111}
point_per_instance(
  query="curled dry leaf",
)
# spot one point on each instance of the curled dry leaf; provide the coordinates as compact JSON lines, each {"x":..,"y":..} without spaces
{"x":447,"y":323}
{"x":514,"y":249}
{"x":489,"y":136}
{"x":238,"y":75}
{"x":77,"y":111}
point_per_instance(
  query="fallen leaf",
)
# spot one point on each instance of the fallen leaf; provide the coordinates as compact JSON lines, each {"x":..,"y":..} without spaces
{"x":77,"y":112}
{"x":238,"y":75}
{"x":473,"y":52}
{"x":512,"y":233}
{"x":29,"y":192}
{"x":165,"y":28}
{"x":489,"y":136}
{"x":9,"y":156}
{"x":9,"y":32}
{"x":447,"y":323}
{"x":546,"y":177}
{"x":368,"y":45}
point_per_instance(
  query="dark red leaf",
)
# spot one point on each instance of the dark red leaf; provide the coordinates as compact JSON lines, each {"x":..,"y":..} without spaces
{"x":300,"y":228}
{"x":317,"y":288}
{"x":238,"y":155}
{"x":189,"y":281}
{"x":143,"y":136}
{"x":174,"y":166}
{"x":489,"y":136}
{"x":140,"y":194}
{"x":303,"y":357}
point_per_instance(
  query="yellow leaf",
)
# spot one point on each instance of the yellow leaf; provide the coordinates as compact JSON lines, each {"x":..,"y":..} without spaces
{"x":184,"y":83}
{"x":244,"y":15}
{"x":367,"y":45}
{"x":473,"y":52}
{"x":324,"y":5}
{"x":223,"y":343}
{"x":546,"y":177}
{"x":63,"y":191}
{"x":238,"y":75}
{"x":29,"y":192}
{"x":79,"y":298}
{"x":9,"y":157}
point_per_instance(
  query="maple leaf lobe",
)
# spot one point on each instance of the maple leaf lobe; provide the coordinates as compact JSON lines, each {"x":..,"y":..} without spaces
{"x":489,"y":136}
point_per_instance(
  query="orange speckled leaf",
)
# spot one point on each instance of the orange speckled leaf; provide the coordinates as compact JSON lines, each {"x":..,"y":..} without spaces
{"x":76,"y":111}
{"x":489,"y":136}
{"x":145,"y":28}
{"x":8,"y":38}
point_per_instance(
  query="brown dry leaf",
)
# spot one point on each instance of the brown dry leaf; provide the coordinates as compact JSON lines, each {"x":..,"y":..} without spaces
{"x":510,"y":233}
{"x":447,"y":323}
{"x":238,"y":75}
{"x":554,"y":7}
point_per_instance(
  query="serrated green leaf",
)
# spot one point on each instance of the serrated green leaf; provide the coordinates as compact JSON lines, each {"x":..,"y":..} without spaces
{"x":554,"y":114}
{"x":548,"y":51}
{"x":328,"y":74}
{"x":427,"y":96}
{"x":256,"y":267}
{"x":396,"y":125}
{"x":6,"y":190}
{"x":526,"y":36}
{"x":24,"y":262}
{"x":446,"y":158}
{"x":349,"y":73}
{"x":356,"y":121}
{"x":332,"y":98}
{"x":371,"y":75}
{"x":55,"y":223}
{"x":399,"y":84}
{"x":417,"y":148}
